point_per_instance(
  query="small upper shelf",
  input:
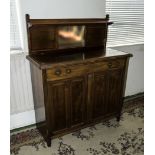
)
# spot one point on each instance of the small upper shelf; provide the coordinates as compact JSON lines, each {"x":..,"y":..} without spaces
{"x":53,"y":35}
{"x":79,"y":21}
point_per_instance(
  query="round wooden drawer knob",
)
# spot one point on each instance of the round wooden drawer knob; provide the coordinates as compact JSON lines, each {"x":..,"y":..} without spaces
{"x":68,"y":71}
{"x":58,"y":72}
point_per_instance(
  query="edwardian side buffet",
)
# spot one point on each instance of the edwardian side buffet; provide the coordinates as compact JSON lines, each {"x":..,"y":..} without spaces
{"x":75,"y":79}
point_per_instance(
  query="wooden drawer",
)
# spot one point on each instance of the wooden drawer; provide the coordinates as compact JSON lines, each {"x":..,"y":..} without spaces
{"x":68,"y":71}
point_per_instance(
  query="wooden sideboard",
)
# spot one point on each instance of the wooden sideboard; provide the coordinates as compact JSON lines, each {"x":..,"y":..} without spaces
{"x":78,"y":85}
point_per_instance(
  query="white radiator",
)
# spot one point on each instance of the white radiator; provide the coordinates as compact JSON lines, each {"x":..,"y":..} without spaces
{"x":20,"y":85}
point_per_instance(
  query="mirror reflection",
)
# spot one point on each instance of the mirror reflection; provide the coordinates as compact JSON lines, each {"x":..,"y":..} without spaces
{"x":69,"y":36}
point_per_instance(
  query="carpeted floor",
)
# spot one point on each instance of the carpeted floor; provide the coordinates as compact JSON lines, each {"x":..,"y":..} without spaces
{"x":105,"y":138}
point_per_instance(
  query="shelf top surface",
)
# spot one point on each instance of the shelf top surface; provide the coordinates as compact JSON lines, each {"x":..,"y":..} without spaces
{"x":48,"y":60}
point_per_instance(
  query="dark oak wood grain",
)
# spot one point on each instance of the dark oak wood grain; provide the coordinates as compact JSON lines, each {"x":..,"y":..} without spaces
{"x":44,"y":34}
{"x":77,"y":101}
{"x":57,"y":99}
{"x":67,"y":21}
{"x":99,"y":95}
{"x":75,"y":87}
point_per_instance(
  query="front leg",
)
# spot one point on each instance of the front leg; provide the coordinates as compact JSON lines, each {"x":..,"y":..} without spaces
{"x":118,"y":117}
{"x":48,"y":141}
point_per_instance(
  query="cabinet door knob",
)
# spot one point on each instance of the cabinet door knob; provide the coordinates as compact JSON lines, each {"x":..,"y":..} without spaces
{"x":68,"y":71}
{"x":58,"y":72}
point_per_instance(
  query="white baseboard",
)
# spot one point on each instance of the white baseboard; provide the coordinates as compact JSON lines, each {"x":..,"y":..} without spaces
{"x":25,"y":118}
{"x":22,"y":119}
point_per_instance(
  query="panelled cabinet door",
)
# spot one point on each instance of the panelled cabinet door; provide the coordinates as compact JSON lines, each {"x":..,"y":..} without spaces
{"x":99,"y":95}
{"x":77,"y":100}
{"x":66,"y":100}
{"x":106,"y":93}
{"x":114,"y":91}
{"x":58,"y":95}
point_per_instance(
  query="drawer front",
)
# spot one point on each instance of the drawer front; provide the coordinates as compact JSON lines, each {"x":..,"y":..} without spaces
{"x":63,"y":72}
{"x":68,"y":71}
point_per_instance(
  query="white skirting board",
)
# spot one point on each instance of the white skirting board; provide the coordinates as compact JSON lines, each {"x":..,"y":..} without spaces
{"x":22,"y":119}
{"x":26,"y":118}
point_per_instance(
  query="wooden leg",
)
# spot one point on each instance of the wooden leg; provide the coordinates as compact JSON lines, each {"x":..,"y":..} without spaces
{"x":48,"y":141}
{"x":118,"y":117}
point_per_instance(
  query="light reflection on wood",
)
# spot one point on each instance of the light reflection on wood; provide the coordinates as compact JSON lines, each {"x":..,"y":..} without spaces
{"x":75,"y":33}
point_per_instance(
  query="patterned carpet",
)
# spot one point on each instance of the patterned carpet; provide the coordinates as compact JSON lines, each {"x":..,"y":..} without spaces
{"x":105,"y":138}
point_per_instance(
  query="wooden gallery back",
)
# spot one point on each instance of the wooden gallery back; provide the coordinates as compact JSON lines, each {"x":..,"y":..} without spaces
{"x":76,"y":80}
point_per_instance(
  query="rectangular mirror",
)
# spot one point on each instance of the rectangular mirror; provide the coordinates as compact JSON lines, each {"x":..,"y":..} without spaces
{"x":55,"y":37}
{"x":71,"y":36}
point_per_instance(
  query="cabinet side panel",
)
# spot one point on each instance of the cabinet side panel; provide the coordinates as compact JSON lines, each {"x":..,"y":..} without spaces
{"x":38,"y":95}
{"x":124,"y":78}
